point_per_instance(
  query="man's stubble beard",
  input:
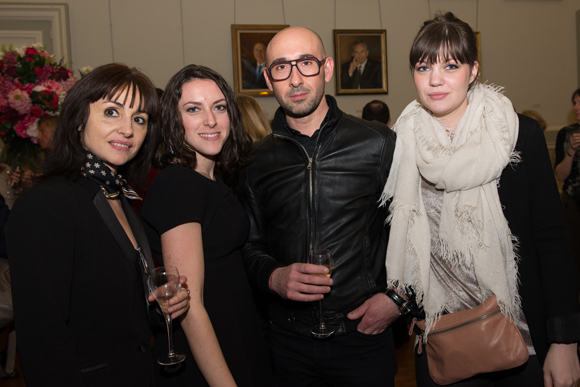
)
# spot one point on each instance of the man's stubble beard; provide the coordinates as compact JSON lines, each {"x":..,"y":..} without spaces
{"x":303,"y":108}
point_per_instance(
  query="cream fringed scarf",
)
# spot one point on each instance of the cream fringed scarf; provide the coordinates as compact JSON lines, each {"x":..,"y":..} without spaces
{"x":473,"y":230}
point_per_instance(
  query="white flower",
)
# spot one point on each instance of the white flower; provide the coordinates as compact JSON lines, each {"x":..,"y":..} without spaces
{"x":39,"y":88}
{"x":1,"y":55}
{"x":85,"y":70}
{"x":32,"y":131}
{"x":38,"y":46}
{"x":20,"y":51}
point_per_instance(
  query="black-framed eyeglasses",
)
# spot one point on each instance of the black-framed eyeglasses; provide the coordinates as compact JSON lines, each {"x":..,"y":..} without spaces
{"x":308,"y":67}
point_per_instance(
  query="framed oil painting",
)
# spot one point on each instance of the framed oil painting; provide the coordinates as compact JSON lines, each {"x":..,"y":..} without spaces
{"x":249,"y":53}
{"x":361,"y":61}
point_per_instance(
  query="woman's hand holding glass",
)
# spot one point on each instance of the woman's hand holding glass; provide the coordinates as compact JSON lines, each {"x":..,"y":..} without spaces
{"x":179,"y":304}
{"x":165,"y":284}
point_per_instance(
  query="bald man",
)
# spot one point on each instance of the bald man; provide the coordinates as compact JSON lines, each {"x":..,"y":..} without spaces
{"x":315,"y":184}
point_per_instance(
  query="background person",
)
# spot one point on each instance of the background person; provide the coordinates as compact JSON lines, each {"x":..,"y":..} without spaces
{"x":460,"y":192}
{"x":314,"y":184}
{"x":24,"y":179}
{"x":536,"y":116}
{"x":568,"y":170}
{"x":253,"y":118}
{"x":377,"y":111}
{"x":194,"y":222}
{"x":80,"y":298}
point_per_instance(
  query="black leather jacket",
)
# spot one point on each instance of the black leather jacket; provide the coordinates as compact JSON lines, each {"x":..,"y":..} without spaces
{"x":296,"y":203}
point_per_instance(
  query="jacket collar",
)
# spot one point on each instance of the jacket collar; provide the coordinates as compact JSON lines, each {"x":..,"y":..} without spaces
{"x":94,"y":191}
{"x":333,"y":115}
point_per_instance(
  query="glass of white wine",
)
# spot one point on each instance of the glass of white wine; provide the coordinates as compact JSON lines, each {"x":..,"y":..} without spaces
{"x":164,"y":284}
{"x":322,"y":258}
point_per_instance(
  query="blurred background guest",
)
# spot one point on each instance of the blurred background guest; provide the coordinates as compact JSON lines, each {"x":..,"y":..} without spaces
{"x":536,"y":116}
{"x":24,"y":179}
{"x":377,"y":111}
{"x":253,"y":118}
{"x":567,"y":170}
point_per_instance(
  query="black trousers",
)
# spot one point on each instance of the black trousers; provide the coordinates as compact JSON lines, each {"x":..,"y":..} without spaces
{"x":529,"y":374}
{"x":352,"y":360}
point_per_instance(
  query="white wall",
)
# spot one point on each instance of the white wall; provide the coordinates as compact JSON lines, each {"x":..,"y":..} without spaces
{"x":528,"y":46}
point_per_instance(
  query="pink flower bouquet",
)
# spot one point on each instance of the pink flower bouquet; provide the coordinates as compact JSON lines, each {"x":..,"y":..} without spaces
{"x":32,"y":86}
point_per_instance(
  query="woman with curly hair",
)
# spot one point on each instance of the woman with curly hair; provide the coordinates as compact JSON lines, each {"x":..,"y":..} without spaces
{"x":194,"y":222}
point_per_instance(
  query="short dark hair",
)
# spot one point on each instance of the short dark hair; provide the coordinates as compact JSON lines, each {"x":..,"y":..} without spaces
{"x":107,"y":81}
{"x":444,"y":35}
{"x":171,"y":145}
{"x":376,"y":111}
{"x":576,"y":93}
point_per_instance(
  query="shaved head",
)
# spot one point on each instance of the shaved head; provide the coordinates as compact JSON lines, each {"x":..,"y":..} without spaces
{"x":294,"y":35}
{"x":301,"y":97}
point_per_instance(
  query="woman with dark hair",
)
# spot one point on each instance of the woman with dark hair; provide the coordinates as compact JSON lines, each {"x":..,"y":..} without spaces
{"x":78,"y":251}
{"x":196,"y":223}
{"x":568,"y":171}
{"x":475,"y":212}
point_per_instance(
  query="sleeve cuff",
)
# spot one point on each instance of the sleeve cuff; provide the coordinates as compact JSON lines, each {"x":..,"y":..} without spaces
{"x":265,"y":274}
{"x":564,"y":329}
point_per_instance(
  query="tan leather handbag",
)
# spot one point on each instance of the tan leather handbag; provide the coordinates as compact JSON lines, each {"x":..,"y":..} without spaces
{"x":471,"y":342}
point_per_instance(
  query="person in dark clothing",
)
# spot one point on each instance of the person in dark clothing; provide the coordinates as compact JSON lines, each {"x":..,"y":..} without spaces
{"x":314,"y":184}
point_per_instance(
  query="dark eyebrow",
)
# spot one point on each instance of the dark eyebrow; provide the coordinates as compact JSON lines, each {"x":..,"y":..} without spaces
{"x":115,"y":102}
{"x":199,"y":103}
{"x":123,"y":106}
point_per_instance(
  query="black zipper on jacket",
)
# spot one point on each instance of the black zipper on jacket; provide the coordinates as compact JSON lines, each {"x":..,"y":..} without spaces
{"x":310,"y":182}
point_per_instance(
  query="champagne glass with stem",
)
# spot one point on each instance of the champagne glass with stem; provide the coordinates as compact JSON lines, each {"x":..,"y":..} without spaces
{"x":323,"y":258}
{"x":164,"y":284}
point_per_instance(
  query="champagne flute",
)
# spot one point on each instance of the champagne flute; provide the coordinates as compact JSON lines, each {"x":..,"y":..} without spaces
{"x":322,"y":258}
{"x":164,"y":284}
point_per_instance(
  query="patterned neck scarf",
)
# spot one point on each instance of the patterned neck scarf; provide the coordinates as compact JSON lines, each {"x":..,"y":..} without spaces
{"x":112,"y":184}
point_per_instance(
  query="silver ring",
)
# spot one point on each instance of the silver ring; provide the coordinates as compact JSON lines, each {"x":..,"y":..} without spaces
{"x":188,"y":292}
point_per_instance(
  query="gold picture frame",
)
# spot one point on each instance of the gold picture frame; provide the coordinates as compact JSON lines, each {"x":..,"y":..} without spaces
{"x":249,"y":43}
{"x":349,"y":50}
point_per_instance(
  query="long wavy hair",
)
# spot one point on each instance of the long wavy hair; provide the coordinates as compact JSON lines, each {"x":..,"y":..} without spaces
{"x":107,"y":81}
{"x":171,"y":145}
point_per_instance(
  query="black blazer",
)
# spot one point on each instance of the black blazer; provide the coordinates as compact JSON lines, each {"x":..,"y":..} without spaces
{"x":548,"y":284}
{"x":79,"y":299}
{"x":371,"y":78}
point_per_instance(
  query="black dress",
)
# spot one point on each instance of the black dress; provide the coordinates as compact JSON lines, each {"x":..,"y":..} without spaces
{"x":180,"y":195}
